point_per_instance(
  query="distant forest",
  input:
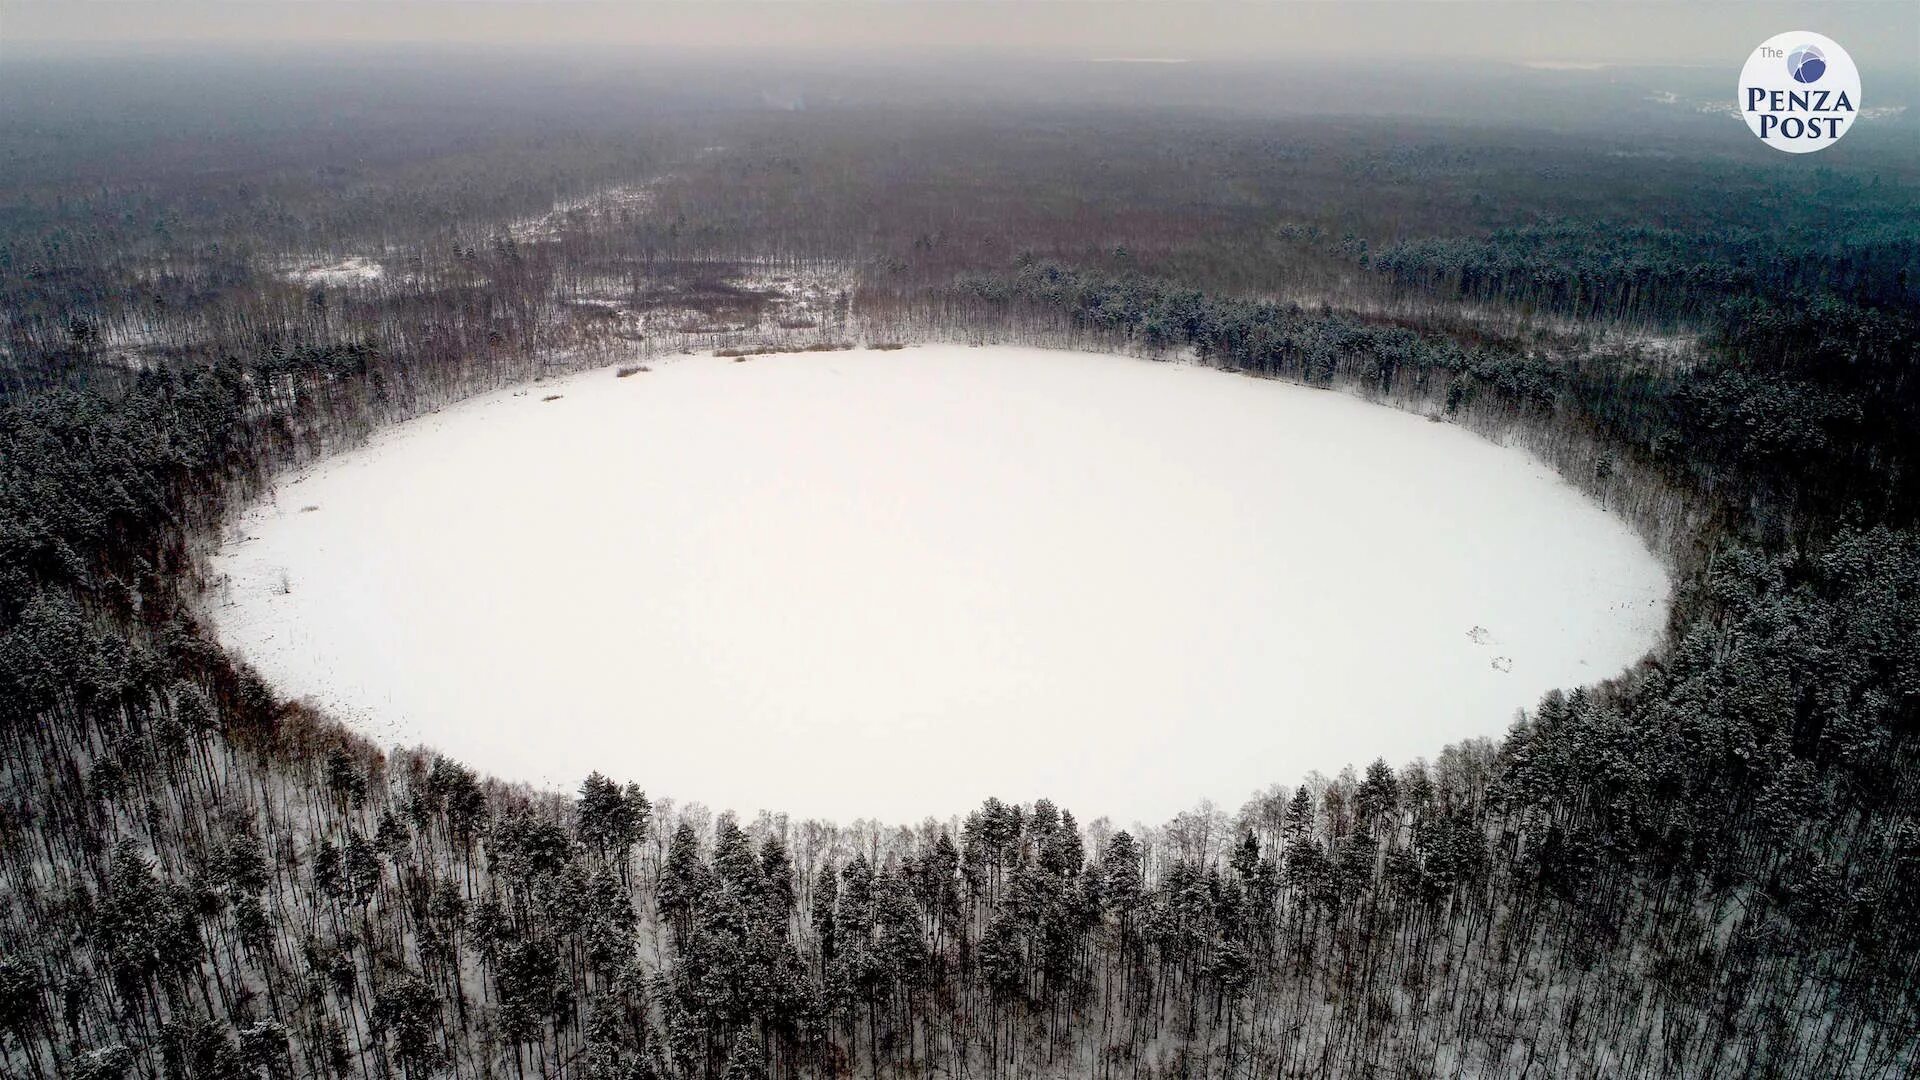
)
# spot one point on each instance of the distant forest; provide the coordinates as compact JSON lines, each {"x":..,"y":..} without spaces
{"x":1706,"y":866}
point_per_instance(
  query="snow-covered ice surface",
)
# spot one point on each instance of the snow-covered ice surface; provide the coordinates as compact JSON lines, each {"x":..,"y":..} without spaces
{"x":892,"y":583}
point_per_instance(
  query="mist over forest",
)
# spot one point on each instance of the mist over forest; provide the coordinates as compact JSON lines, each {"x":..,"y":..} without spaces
{"x":224,"y":264}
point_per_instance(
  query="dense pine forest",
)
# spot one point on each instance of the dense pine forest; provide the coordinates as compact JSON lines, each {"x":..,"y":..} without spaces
{"x":1706,"y":866}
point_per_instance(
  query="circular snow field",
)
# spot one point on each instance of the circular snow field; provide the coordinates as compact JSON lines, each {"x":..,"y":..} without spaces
{"x":891,"y":584}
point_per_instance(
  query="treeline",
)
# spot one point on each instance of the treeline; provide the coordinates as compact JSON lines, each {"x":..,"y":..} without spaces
{"x":1821,"y":425}
{"x":1603,"y":270}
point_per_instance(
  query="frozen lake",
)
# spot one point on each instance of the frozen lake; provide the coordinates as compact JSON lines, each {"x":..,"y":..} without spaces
{"x":891,"y":584}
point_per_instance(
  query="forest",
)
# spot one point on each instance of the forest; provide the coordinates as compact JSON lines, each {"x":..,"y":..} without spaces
{"x":1706,"y":866}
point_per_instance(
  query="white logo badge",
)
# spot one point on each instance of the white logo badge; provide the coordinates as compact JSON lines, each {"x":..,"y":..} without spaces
{"x":1799,"y":92}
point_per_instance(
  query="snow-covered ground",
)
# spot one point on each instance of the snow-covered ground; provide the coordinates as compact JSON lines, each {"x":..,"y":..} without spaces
{"x":353,"y":270}
{"x":759,"y":298}
{"x":891,"y":583}
{"x":610,"y":203}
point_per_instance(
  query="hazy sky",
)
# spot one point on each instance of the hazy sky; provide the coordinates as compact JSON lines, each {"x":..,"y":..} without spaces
{"x":1883,"y":35}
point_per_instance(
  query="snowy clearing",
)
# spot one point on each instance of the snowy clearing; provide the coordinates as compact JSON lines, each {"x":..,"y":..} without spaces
{"x":613,"y":204}
{"x":353,"y":270}
{"x":891,"y":583}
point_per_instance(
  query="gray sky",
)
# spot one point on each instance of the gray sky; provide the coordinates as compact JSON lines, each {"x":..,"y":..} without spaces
{"x":1879,"y":35}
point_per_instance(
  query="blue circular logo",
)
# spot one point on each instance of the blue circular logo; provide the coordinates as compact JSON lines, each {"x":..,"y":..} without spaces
{"x":1799,"y":91}
{"x":1807,"y":63}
